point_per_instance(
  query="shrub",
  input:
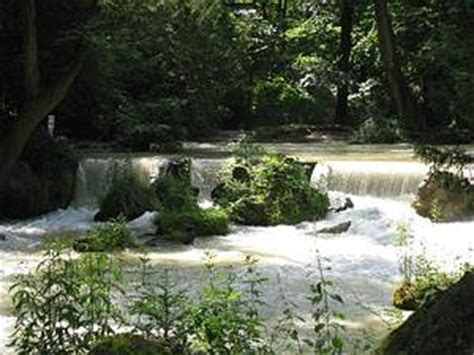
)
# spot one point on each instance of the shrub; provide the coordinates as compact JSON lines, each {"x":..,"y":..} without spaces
{"x":66,"y":305}
{"x":112,"y":236}
{"x":128,"y":197}
{"x":277,"y":191}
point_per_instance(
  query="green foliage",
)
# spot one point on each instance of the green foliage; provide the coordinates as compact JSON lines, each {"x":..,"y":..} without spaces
{"x":224,"y":318}
{"x":128,"y":196}
{"x":161,"y":310}
{"x":326,"y":330}
{"x":180,"y":217}
{"x":441,"y":159}
{"x":425,"y":282}
{"x":110,"y":236}
{"x":379,"y":131}
{"x":278,"y":101}
{"x":185,"y":225}
{"x":421,"y":279}
{"x":246,"y":151}
{"x":271,"y":190}
{"x":66,"y":305}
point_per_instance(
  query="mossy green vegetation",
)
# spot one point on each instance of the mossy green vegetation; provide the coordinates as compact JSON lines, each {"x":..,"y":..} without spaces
{"x":130,"y":344}
{"x":111,"y":236}
{"x":128,"y":196}
{"x":185,"y":225}
{"x":269,"y":189}
{"x":411,"y":294}
{"x":180,"y":218}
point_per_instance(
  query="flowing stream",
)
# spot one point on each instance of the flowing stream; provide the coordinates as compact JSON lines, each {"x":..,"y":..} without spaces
{"x":363,"y":261}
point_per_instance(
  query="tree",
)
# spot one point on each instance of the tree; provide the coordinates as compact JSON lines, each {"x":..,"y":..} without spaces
{"x":38,"y":100}
{"x":343,"y":64}
{"x":405,"y":104}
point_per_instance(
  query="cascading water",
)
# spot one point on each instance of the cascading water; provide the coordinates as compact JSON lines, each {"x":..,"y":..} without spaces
{"x":363,"y":260}
{"x":373,"y":178}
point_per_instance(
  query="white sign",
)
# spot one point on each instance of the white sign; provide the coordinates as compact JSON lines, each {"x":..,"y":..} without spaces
{"x":51,"y":120}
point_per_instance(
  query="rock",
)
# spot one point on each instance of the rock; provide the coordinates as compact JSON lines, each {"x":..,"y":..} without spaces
{"x":336,"y":229}
{"x":445,"y":197}
{"x":43,"y":180}
{"x":3,"y":237}
{"x":338,"y":205}
{"x":444,"y":325}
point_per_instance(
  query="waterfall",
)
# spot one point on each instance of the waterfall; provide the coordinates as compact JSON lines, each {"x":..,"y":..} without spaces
{"x":363,"y":178}
{"x":94,"y":175}
{"x":371,"y":178}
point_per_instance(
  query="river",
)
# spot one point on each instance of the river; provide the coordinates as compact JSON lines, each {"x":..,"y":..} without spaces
{"x":363,"y":261}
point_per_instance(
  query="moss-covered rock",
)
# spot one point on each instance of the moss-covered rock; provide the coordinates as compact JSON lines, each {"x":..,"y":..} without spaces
{"x":444,"y":325}
{"x":180,"y":218}
{"x":128,"y":197}
{"x":445,"y":197}
{"x":43,"y":180}
{"x":128,"y":344}
{"x":411,"y":294}
{"x":277,"y":190}
{"x":185,"y":225}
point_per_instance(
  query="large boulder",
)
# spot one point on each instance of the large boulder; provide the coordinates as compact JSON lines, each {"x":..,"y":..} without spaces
{"x":444,"y":325}
{"x":43,"y":180}
{"x":127,"y":198}
{"x":445,"y":197}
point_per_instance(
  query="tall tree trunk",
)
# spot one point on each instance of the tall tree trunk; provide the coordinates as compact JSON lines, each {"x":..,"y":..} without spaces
{"x":30,"y":50}
{"x":37,"y":104}
{"x":404,"y":103}
{"x":345,"y":46}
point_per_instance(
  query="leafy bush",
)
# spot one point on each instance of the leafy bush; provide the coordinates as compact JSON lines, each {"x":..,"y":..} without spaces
{"x":112,"y":236}
{"x":66,"y":305}
{"x":128,"y":196}
{"x":275,"y":190}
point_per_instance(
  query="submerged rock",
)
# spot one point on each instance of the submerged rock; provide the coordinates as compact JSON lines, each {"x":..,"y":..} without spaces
{"x":336,"y":229}
{"x":444,"y":325}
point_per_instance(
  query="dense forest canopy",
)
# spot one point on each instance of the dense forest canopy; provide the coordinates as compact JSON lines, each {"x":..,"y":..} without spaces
{"x":139,"y":72}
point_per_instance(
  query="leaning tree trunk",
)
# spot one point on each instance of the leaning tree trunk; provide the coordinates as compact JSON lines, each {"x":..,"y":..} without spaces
{"x":345,"y":46}
{"x":404,"y":103}
{"x":37,"y":103}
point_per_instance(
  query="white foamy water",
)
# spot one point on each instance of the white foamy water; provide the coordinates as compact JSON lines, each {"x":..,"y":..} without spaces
{"x":363,"y":260}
